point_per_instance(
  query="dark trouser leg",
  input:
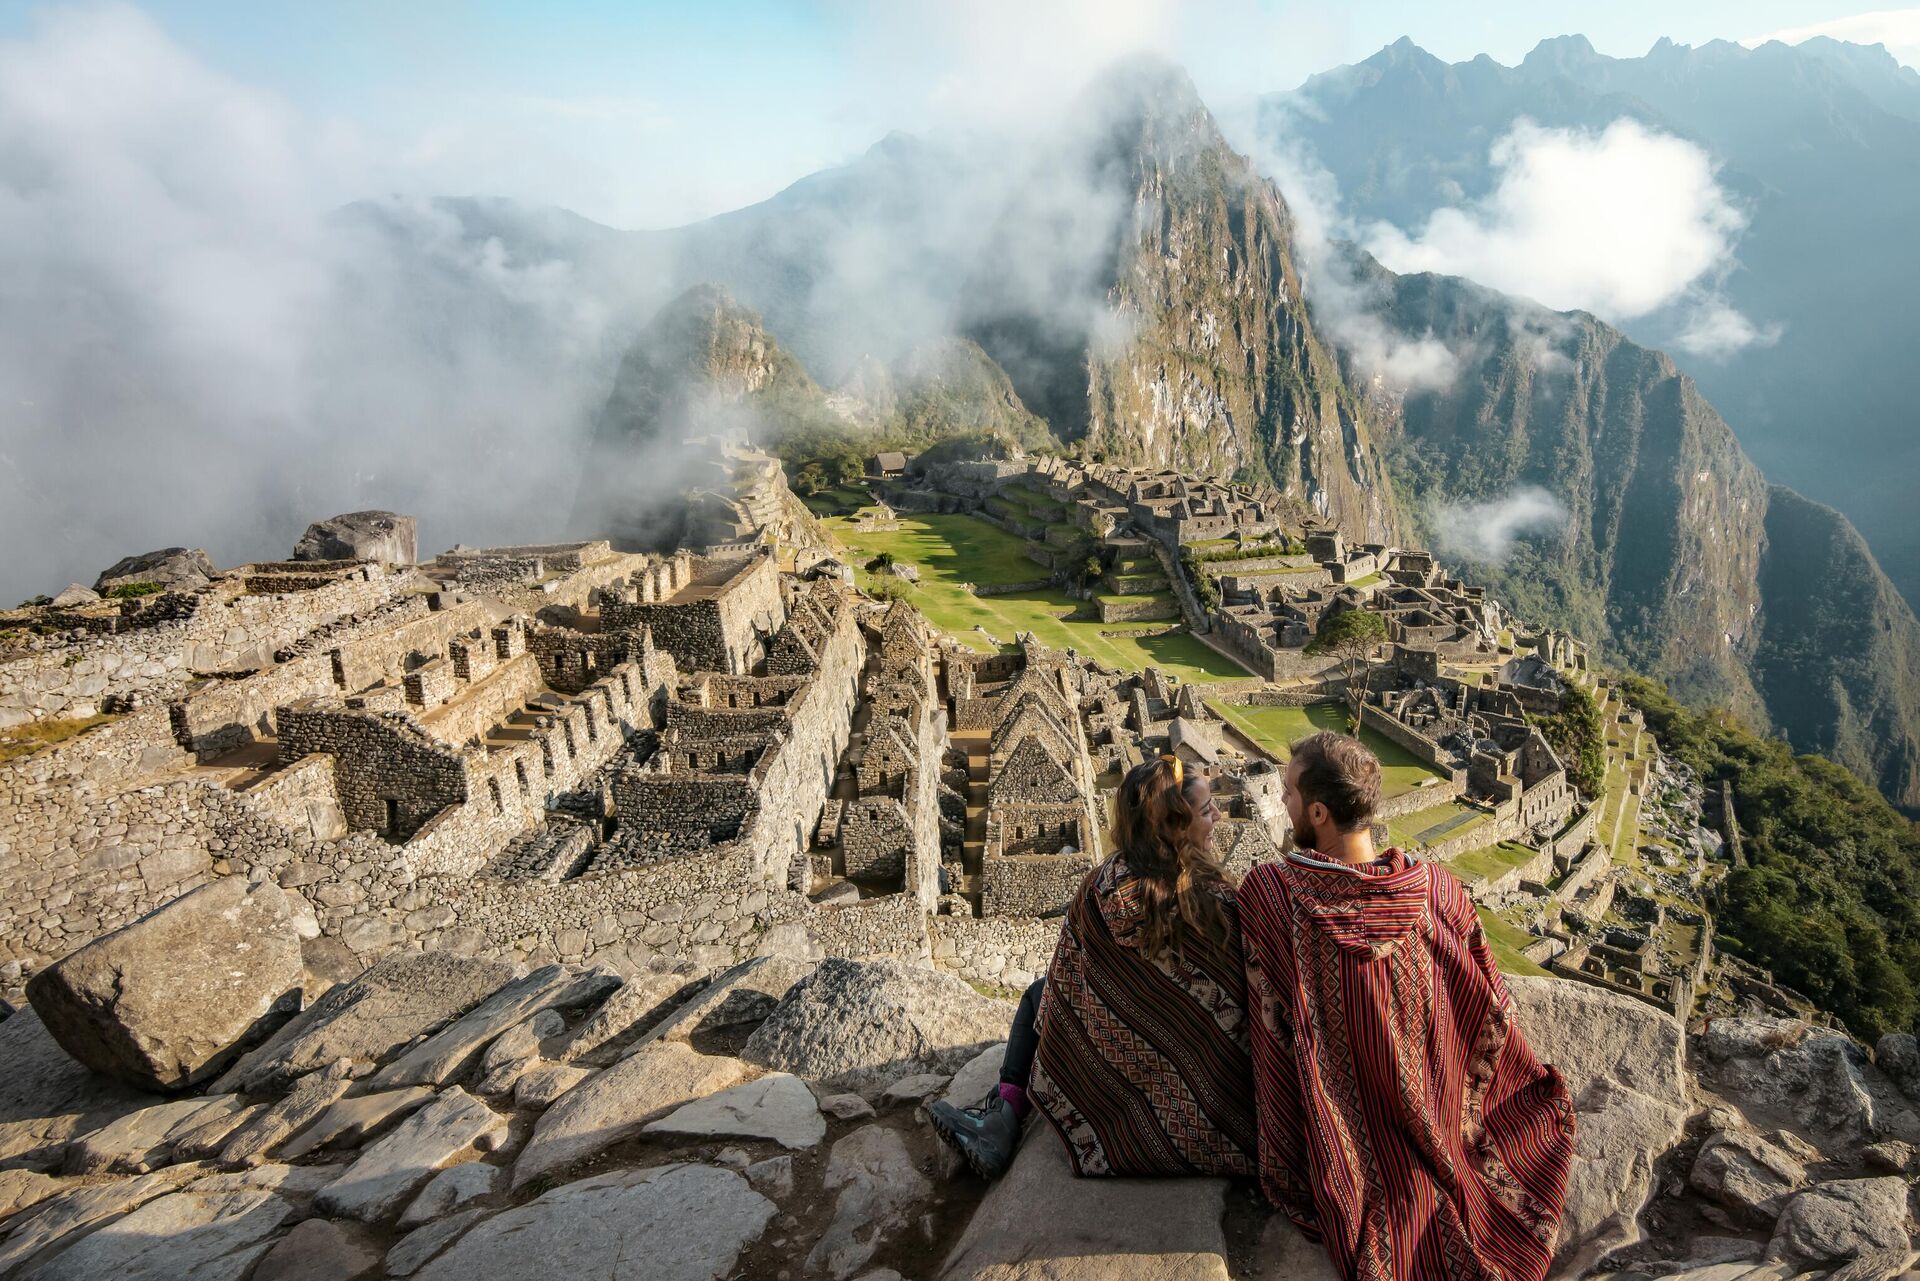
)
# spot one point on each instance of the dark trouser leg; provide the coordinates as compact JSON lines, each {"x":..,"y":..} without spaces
{"x":1024,"y":1040}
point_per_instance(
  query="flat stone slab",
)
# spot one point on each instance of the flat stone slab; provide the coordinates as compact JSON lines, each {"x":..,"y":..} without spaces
{"x":746,"y":993}
{"x":310,"y":1097}
{"x":629,"y":1011}
{"x":47,"y":1097}
{"x":136,"y":1141}
{"x":616,"y":1102}
{"x":878,"y":1186}
{"x":455,"y":1050}
{"x":318,"y":1250}
{"x":778,"y":1106}
{"x":1040,"y":1223}
{"x":450,"y":1190}
{"x":392,"y":1170}
{"x":411,"y":1252}
{"x":668,"y":1223}
{"x":401,"y":997}
{"x":352,"y":1121}
{"x":206,"y":1236}
{"x":75,"y":1210}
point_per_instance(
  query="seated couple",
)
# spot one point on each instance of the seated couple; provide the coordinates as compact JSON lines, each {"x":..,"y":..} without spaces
{"x":1335,"y":1026}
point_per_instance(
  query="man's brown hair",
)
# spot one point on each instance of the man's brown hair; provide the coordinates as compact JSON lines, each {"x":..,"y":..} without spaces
{"x":1341,"y":774}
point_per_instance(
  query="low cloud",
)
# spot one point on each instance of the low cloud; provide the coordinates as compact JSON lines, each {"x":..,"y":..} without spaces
{"x":1344,"y":307}
{"x":1622,"y":223}
{"x":195,"y":348}
{"x":1714,"y":330}
{"x":1484,"y":533}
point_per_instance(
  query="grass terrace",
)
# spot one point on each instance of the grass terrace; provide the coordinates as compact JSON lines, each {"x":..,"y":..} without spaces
{"x":953,"y":550}
{"x":843,"y":501}
{"x":24,"y":740}
{"x":1504,"y":940}
{"x":1434,"y":824}
{"x":1275,"y":728}
{"x":1491,"y":862}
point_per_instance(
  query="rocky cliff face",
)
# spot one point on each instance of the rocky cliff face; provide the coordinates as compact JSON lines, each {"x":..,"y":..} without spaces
{"x":1203,"y":355}
{"x":1676,"y":554}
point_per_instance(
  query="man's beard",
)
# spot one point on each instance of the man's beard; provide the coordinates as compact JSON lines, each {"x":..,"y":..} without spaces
{"x":1304,"y":840}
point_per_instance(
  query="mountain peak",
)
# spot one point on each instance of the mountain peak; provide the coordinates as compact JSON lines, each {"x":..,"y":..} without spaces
{"x":1561,"y":53}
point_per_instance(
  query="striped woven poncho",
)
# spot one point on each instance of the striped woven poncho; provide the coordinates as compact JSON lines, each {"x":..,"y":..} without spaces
{"x":1143,"y":1066}
{"x":1403,"y":1118}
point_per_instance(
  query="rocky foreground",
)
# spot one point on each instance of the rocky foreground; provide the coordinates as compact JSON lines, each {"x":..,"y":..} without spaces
{"x":166,"y":1113}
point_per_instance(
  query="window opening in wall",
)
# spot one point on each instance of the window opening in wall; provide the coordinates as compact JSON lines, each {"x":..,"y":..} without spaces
{"x":493,"y":788}
{"x":520,"y":772}
{"x":393,"y":817}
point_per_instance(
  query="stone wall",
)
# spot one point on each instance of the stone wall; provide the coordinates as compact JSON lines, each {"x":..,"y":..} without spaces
{"x":1152,"y":609}
{"x":1009,"y":952}
{"x":220,"y":629}
{"x":1031,"y":885}
{"x":714,"y":624}
{"x":1422,"y":747}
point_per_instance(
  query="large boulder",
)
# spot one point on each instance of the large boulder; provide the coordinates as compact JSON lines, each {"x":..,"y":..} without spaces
{"x":1747,"y":1175}
{"x":1840,"y":1221}
{"x":1818,"y":1080}
{"x":402,"y":997}
{"x":175,"y":568}
{"x":166,"y":1002}
{"x":1040,"y":1223}
{"x":1621,"y":1060}
{"x":870,"y":1022}
{"x":375,"y":535}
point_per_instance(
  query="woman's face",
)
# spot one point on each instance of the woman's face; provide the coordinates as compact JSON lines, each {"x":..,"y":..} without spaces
{"x":1205,"y":812}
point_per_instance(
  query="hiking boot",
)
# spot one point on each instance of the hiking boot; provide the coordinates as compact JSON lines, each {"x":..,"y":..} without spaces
{"x":987,"y":1136}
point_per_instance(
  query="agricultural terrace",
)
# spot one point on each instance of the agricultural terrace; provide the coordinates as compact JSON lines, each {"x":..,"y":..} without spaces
{"x":951,"y":551}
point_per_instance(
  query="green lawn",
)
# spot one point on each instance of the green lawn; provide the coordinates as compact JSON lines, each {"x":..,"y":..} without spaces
{"x":1490,"y":862}
{"x":1434,"y":823}
{"x":1504,"y":940}
{"x":952,"y":550}
{"x":838,"y":502}
{"x":1276,"y":728}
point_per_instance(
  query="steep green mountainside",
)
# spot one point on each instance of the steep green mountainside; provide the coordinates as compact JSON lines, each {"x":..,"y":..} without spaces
{"x":1830,"y":897}
{"x":1837,"y":651}
{"x":1818,"y":145}
{"x":1676,"y":555}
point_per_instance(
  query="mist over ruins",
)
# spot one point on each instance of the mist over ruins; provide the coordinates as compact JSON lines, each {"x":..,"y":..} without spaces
{"x":617,"y":903}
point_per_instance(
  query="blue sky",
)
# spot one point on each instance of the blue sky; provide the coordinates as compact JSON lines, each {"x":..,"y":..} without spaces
{"x":646,"y":114}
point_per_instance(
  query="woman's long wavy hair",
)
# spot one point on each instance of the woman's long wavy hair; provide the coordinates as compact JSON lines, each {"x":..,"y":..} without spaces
{"x":1181,"y":880}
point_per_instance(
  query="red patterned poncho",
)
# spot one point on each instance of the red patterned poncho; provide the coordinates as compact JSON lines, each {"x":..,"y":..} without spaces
{"x":1403,"y":1120}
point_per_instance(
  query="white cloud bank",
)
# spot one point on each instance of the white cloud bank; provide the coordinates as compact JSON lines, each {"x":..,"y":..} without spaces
{"x":1484,"y":533}
{"x":194,"y":350}
{"x":1897,"y":29}
{"x":1621,"y":223}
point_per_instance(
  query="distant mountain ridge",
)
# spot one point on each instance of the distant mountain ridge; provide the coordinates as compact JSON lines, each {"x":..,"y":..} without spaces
{"x":1149,"y":306}
{"x":1819,"y":143}
{"x":1676,"y":549}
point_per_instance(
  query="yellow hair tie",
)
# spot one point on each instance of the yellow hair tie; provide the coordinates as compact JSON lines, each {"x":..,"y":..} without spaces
{"x":1171,"y":759}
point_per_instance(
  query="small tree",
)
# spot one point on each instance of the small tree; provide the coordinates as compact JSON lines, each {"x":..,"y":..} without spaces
{"x":1352,"y":637}
{"x":1090,"y":571}
{"x":883,"y":561}
{"x":846,"y":469}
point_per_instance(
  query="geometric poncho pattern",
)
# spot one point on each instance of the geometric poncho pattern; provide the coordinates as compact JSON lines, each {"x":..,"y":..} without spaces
{"x":1143,"y":1066}
{"x":1404,"y":1121}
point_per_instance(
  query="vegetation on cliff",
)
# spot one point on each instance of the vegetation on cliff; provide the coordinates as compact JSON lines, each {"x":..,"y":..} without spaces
{"x":1830,"y":897}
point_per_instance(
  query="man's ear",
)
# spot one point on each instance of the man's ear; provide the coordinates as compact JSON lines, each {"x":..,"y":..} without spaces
{"x":1319,"y":815}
